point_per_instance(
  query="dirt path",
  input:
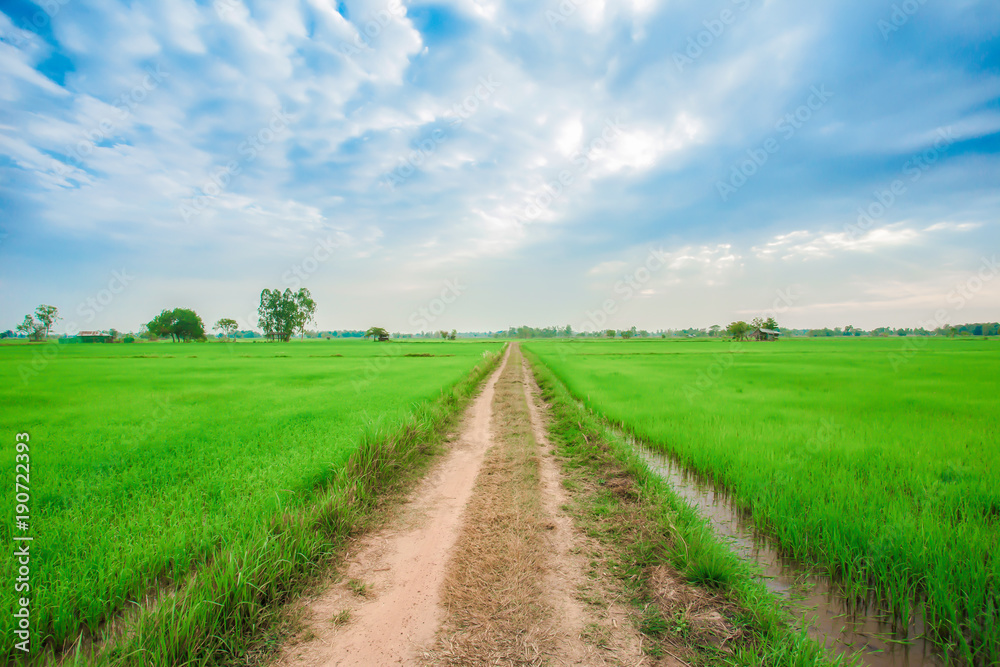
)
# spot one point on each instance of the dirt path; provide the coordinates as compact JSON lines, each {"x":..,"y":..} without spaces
{"x":613,"y":639}
{"x":482,"y":566}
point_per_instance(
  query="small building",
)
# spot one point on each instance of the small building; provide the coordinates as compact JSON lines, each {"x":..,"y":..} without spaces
{"x":383,"y":337}
{"x":763,"y":334}
{"x":94,"y":337}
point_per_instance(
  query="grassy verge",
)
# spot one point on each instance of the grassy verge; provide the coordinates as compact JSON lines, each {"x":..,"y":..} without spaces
{"x":651,"y":530}
{"x":216,"y":616}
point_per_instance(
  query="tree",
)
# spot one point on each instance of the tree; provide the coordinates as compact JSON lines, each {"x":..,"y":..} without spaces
{"x":738,"y":330}
{"x":187,"y":325}
{"x":115,"y":334}
{"x":228,"y":326}
{"x":453,"y":335}
{"x":713,"y":331}
{"x":281,"y":314}
{"x":610,"y":333}
{"x":181,"y":324}
{"x":47,"y":316}
{"x":32,"y":329}
{"x":771,"y":323}
{"x":377,"y":333}
{"x":162,"y":325}
{"x":444,"y":334}
{"x":626,"y":334}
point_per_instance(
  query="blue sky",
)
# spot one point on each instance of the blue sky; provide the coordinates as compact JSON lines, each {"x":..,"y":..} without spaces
{"x":475,"y":164}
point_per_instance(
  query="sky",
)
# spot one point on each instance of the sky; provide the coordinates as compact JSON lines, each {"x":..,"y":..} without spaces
{"x":479,"y":164}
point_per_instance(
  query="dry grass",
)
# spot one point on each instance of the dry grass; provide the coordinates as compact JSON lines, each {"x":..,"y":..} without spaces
{"x":493,"y":591}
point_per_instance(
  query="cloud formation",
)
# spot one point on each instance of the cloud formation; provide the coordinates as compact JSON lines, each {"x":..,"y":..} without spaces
{"x":535,"y":152}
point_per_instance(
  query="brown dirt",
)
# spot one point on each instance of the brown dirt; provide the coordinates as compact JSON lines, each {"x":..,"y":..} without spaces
{"x":399,"y":571}
{"x":607,"y":625}
{"x":482,"y":566}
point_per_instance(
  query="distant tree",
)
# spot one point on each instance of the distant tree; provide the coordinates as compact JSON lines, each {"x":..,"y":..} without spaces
{"x":626,"y":334}
{"x":187,"y":325}
{"x":6,"y":334}
{"x":610,"y":333}
{"x":47,"y":316}
{"x":181,"y":324}
{"x":281,"y":314}
{"x":115,"y":334}
{"x":739,"y":330}
{"x":376,"y":333}
{"x":32,"y":329}
{"x":771,"y":323}
{"x":228,"y":326}
{"x":713,"y":331}
{"x":443,"y":334}
{"x":162,"y":325}
{"x":453,"y":335}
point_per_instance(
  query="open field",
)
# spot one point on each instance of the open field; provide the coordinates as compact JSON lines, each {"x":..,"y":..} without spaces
{"x":873,"y":458}
{"x":148,"y":460}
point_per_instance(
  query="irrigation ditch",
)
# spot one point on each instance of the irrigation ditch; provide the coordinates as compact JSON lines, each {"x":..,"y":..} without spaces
{"x":847,"y":625}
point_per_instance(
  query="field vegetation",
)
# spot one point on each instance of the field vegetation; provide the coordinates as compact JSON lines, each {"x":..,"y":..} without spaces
{"x":873,"y":459}
{"x":153,"y":462}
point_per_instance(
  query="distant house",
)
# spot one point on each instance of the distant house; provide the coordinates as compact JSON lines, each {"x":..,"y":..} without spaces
{"x":762,"y":334}
{"x":94,"y":337}
{"x":383,"y":337}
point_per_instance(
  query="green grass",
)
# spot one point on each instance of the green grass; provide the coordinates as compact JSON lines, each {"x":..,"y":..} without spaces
{"x":648,"y":526}
{"x":150,"y":462}
{"x":874,"y":458}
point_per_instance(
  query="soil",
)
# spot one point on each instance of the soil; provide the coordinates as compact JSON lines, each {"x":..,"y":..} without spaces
{"x":481,"y":566}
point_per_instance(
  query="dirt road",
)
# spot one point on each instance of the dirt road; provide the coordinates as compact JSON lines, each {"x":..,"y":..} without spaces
{"x":482,"y":566}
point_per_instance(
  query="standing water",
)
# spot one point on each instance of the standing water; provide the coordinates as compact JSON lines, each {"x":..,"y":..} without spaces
{"x":814,"y":599}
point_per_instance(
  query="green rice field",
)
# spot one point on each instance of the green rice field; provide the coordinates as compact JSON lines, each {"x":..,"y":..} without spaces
{"x":150,"y":460}
{"x":875,"y":459}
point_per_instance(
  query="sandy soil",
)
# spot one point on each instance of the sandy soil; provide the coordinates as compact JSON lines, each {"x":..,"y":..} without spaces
{"x":385,"y":605}
{"x":401,"y":569}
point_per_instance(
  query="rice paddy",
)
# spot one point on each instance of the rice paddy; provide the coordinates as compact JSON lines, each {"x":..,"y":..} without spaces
{"x":148,"y":461}
{"x":875,"y":459}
